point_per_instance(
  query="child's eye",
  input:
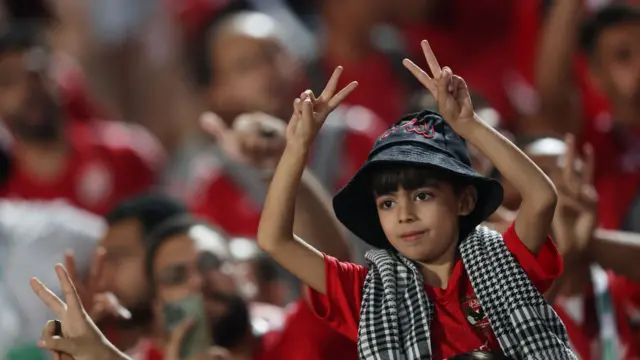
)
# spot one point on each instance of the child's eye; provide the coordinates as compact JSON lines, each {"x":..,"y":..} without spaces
{"x":387,"y":204}
{"x":423,"y":196}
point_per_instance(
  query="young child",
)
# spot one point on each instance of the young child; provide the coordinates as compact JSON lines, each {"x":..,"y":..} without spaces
{"x":439,"y":285}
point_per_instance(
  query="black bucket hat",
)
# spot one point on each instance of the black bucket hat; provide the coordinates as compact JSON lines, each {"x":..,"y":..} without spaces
{"x":422,"y":140}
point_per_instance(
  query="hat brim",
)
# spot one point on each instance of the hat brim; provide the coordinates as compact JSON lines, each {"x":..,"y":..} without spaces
{"x":354,"y":205}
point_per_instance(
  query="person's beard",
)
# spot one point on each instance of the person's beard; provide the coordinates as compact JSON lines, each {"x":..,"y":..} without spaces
{"x":46,"y":128}
{"x":141,"y":316}
{"x":231,"y":327}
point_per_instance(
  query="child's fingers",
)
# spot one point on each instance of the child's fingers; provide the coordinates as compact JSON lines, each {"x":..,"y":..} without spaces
{"x":297,"y":106}
{"x":340,"y":96}
{"x":332,"y":85}
{"x":431,"y":59}
{"x":421,"y":76}
{"x":308,"y":94}
{"x":307,"y":110}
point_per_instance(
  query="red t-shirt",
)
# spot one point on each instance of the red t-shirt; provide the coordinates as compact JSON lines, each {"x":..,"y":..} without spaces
{"x":303,"y":336}
{"x":495,"y":57}
{"x":631,"y":303}
{"x":218,"y":199}
{"x":453,"y":330}
{"x":108,"y":162}
{"x":617,"y":153}
{"x":584,"y":333}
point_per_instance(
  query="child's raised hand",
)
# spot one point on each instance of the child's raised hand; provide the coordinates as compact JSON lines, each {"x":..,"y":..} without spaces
{"x":309,"y":113}
{"x":449,"y":90}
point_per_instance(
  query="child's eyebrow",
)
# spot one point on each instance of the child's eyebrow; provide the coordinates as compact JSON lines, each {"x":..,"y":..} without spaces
{"x":429,"y":183}
{"x":386,"y":193}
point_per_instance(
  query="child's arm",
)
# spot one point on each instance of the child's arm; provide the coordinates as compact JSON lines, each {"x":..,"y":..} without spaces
{"x":539,"y":197}
{"x":275,"y":233}
{"x":315,"y":222}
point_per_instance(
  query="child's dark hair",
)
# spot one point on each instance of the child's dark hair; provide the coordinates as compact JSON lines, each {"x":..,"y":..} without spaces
{"x":388,"y":180}
{"x":608,"y":17}
{"x":479,"y":355}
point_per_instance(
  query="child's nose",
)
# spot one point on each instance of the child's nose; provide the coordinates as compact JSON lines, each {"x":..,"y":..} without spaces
{"x":406,"y":213}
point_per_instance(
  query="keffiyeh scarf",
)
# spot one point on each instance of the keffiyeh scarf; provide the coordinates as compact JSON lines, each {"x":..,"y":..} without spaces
{"x":396,"y":313}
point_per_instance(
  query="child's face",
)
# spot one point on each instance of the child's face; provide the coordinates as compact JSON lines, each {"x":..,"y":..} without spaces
{"x":423,"y":223}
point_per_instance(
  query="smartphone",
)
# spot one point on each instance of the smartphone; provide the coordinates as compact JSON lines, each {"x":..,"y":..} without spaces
{"x":198,"y":338}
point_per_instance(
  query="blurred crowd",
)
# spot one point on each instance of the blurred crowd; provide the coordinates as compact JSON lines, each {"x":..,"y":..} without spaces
{"x":138,"y":139}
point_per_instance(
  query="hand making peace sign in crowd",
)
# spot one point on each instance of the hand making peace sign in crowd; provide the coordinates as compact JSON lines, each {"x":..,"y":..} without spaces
{"x":79,"y":337}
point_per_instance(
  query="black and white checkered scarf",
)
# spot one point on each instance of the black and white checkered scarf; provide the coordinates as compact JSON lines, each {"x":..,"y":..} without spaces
{"x":396,"y":313}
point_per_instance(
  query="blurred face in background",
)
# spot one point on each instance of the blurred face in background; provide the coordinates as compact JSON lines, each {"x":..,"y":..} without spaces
{"x":28,"y":103}
{"x":194,"y":264}
{"x":124,"y":273}
{"x":616,"y":65}
{"x":176,"y":269}
{"x":251,"y":70}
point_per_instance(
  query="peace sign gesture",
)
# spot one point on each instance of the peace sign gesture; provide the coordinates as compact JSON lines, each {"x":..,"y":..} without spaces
{"x":80,"y":337}
{"x":310,"y":113}
{"x":449,"y":90}
{"x":98,"y":304}
{"x":576,"y":213}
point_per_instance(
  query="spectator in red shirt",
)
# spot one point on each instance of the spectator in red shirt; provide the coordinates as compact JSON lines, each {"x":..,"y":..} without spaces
{"x":612,"y":68}
{"x":53,"y":157}
{"x":246,"y":71}
{"x":419,"y":201}
{"x":585,"y":298}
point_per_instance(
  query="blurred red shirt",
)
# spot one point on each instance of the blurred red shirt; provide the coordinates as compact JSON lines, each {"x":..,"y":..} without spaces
{"x":583,"y":329}
{"x":490,"y":43}
{"x":108,"y":162}
{"x":617,"y":153}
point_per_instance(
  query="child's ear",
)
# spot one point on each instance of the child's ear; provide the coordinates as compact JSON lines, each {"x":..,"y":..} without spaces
{"x":467,"y":200}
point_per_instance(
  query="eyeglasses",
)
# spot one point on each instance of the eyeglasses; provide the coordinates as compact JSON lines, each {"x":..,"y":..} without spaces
{"x":175,"y":275}
{"x":179,"y":274}
{"x":209,"y":261}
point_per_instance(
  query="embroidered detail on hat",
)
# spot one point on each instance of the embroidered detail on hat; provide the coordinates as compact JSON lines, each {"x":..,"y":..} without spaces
{"x":421,"y":129}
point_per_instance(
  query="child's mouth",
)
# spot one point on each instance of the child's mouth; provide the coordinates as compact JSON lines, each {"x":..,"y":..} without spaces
{"x":412,"y":236}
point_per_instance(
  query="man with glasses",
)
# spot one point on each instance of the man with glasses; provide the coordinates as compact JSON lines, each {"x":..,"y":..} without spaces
{"x":188,"y":259}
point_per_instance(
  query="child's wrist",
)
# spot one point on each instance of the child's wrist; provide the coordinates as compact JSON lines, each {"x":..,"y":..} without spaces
{"x":466,"y":127}
{"x":298,"y":146}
